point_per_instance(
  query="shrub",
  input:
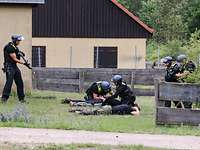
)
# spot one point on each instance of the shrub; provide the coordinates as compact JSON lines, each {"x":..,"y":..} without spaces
{"x":193,"y":77}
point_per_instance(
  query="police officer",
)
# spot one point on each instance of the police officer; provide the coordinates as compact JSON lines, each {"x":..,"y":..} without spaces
{"x":11,"y":59}
{"x":190,"y":66}
{"x":176,"y":73}
{"x":95,"y":95}
{"x":126,"y":104}
{"x":98,"y":91}
{"x":167,"y":61}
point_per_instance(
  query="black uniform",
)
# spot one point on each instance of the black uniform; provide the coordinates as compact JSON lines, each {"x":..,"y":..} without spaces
{"x":94,"y":88}
{"x":126,"y":102}
{"x":171,"y":72}
{"x":170,"y":76}
{"x":12,"y":72}
{"x":190,"y":66}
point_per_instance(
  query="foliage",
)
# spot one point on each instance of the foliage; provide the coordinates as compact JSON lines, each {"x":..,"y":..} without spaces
{"x":133,"y":5}
{"x":191,"y":15}
{"x":193,"y":77}
{"x":193,"y":47}
{"x":165,"y":17}
{"x":171,"y":48}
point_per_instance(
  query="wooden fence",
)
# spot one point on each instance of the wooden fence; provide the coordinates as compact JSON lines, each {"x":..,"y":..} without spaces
{"x":179,"y":92}
{"x":77,"y":80}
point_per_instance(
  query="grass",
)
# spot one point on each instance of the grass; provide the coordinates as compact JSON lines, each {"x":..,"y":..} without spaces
{"x":74,"y":147}
{"x":50,"y":113}
{"x":143,"y":86}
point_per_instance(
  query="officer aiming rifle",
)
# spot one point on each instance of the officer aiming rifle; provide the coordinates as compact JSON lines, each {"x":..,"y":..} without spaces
{"x":12,"y":56}
{"x":26,"y":63}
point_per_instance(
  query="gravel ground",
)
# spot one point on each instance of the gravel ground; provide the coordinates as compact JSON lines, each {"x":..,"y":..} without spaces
{"x":53,"y":136}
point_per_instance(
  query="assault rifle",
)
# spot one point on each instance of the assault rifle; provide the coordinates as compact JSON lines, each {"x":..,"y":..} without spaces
{"x":22,"y":55}
{"x":26,"y":63}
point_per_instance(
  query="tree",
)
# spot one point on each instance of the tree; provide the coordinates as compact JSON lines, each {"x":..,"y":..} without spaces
{"x":132,"y":5}
{"x":165,"y":17}
{"x":191,"y":15}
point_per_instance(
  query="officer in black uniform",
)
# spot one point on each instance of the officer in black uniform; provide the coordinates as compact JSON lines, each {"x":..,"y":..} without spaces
{"x":97,"y":92}
{"x":176,"y":73}
{"x":11,"y":58}
{"x":190,"y":66}
{"x":126,"y":104}
{"x":167,"y":61}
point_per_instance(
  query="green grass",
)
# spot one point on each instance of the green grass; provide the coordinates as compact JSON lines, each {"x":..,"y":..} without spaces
{"x":50,"y":113}
{"x":143,"y":86}
{"x":73,"y":147}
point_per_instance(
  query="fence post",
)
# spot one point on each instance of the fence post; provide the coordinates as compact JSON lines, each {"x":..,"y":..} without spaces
{"x":34,"y":80}
{"x":81,"y":81}
{"x":156,"y":84}
{"x":132,"y":80}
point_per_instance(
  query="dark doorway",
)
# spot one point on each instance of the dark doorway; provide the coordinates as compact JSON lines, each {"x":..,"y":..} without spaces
{"x":105,"y":57}
{"x":39,"y":56}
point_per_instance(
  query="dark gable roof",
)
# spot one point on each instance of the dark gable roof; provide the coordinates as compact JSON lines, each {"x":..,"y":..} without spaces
{"x":133,"y":16}
{"x":87,"y":19}
{"x":23,"y":1}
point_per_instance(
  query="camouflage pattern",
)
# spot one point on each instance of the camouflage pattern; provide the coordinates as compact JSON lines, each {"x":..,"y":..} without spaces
{"x":92,"y":110}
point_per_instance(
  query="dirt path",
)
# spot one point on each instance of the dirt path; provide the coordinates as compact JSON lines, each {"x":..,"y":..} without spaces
{"x":43,"y":136}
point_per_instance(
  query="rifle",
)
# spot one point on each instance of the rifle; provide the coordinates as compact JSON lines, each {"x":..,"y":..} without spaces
{"x":26,"y":63}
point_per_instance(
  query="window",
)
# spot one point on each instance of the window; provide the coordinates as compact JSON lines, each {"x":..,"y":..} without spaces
{"x":105,"y":57}
{"x":39,"y":56}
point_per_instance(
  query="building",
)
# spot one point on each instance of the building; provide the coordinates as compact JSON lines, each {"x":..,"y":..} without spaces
{"x":16,"y":18}
{"x":87,"y":34}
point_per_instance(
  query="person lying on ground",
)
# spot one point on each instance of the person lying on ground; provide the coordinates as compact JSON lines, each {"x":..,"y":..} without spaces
{"x":107,"y":110}
{"x":126,"y":104}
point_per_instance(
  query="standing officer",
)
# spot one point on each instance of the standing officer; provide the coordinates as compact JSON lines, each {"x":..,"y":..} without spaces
{"x":11,"y":58}
{"x":190,"y":66}
{"x":167,"y":61}
{"x":176,"y":73}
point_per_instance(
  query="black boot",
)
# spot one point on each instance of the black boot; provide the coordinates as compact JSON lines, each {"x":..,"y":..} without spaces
{"x":4,"y":100}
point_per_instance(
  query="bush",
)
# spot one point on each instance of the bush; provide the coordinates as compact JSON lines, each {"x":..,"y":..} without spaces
{"x":193,"y":47}
{"x":193,"y":77}
{"x":171,"y":48}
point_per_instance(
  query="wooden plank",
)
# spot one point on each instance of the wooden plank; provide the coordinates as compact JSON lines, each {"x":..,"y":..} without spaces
{"x":34,"y":80}
{"x":58,"y":87}
{"x":177,"y":116}
{"x":59,"y":81}
{"x":144,"y":79}
{"x":104,"y":76}
{"x":116,"y":71}
{"x":132,"y":80}
{"x":57,"y":74}
{"x":81,"y":81}
{"x":179,"y":91}
{"x":144,"y":92}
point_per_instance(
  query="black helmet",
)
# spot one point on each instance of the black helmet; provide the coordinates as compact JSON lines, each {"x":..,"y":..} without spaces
{"x":181,"y":58}
{"x":105,"y":85}
{"x":17,"y":38}
{"x":117,"y":79}
{"x":167,"y":59}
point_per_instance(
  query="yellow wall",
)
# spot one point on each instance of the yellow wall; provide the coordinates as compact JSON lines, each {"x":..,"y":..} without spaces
{"x":58,"y":51}
{"x":16,"y":20}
